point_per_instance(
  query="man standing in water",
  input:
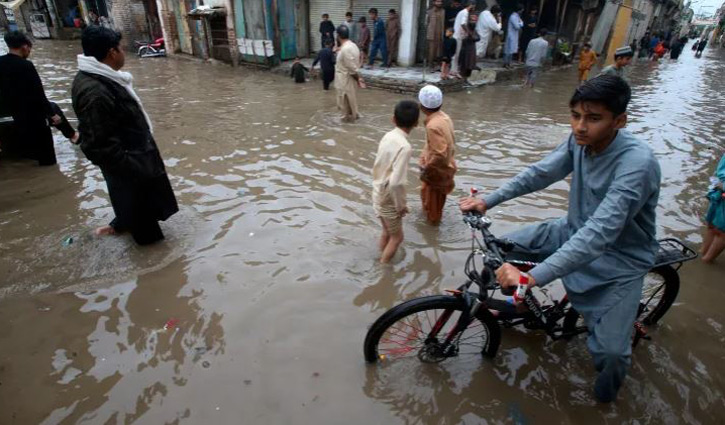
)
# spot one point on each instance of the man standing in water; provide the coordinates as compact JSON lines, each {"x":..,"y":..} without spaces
{"x":347,"y":79}
{"x":22,"y":95}
{"x":606,"y":244}
{"x":116,"y":135}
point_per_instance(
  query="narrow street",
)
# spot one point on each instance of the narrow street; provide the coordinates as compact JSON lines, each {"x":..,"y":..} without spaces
{"x":254,"y":309}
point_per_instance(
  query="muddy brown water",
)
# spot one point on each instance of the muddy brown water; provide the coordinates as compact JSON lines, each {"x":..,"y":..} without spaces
{"x":268,"y":278}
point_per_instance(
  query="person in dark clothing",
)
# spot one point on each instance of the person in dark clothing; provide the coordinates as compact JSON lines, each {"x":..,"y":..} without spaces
{"x":327,"y":30}
{"x":644,"y":45}
{"x":363,"y":39}
{"x":326,"y":59}
{"x":117,"y":136}
{"x":451,"y":13}
{"x":298,"y":71}
{"x":467,"y":58}
{"x":449,"y":50}
{"x":23,"y":97}
{"x":529,"y":31}
{"x":676,"y":48}
{"x":701,"y":47}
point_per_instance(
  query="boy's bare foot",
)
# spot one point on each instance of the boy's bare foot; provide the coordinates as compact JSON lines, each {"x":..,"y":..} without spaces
{"x":105,"y":231}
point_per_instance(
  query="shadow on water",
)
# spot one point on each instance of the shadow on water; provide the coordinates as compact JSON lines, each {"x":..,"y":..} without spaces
{"x":269,"y":276}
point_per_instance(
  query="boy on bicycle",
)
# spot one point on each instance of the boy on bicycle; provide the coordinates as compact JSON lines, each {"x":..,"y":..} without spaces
{"x":606,"y":244}
{"x":390,"y":177}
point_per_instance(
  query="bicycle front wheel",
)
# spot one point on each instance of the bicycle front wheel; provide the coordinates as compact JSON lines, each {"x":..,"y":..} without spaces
{"x":420,"y":327}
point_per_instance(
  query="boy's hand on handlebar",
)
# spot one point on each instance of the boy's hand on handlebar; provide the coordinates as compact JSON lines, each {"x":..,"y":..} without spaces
{"x":509,"y":276}
{"x":472,"y":204}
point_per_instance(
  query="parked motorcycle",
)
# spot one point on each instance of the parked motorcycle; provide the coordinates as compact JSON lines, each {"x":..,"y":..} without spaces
{"x":151,"y":49}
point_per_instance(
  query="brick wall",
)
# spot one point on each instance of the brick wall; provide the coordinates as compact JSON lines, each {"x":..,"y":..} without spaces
{"x":168,"y":20}
{"x":129,"y":17}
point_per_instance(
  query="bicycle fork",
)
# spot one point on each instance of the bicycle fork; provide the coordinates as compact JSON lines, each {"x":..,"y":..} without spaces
{"x":448,"y":348}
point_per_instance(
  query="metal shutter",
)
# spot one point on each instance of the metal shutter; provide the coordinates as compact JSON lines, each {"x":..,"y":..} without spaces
{"x":361,"y":7}
{"x":335,"y":8}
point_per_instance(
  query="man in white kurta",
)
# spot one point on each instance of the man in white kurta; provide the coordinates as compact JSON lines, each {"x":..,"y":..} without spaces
{"x":489,"y":23}
{"x":458,"y":32}
{"x":512,"y":37}
{"x":347,"y":79}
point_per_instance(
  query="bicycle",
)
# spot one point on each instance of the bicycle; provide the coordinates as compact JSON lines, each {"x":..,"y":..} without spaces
{"x":438,"y":327}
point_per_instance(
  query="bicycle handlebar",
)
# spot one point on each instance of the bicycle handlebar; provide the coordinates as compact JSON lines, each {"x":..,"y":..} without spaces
{"x":495,"y":248}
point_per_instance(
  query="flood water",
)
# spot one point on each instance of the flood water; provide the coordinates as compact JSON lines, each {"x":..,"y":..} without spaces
{"x":254,"y":309}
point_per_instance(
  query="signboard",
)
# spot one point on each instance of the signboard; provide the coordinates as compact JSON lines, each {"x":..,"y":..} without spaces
{"x":38,"y":26}
{"x":264,"y":48}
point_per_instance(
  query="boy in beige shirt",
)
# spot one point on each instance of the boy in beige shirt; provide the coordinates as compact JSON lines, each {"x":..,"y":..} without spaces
{"x":390,"y":177}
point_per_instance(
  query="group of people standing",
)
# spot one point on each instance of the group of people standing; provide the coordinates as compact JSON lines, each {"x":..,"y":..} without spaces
{"x":115,"y":132}
{"x":380,"y":37}
{"x":458,"y":37}
{"x":656,"y":46}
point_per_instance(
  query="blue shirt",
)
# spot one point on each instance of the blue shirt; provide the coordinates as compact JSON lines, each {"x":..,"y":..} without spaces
{"x":608,"y":237}
{"x":379,"y":30}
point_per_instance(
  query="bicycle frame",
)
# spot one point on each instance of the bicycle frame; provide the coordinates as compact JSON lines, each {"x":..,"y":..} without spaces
{"x":492,"y":256}
{"x":491,"y":253}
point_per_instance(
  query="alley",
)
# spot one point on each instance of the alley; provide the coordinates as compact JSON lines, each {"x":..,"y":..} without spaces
{"x":254,"y":309}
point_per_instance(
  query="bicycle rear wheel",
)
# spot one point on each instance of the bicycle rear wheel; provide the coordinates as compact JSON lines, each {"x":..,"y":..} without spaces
{"x":418,"y":328}
{"x":659,"y":292}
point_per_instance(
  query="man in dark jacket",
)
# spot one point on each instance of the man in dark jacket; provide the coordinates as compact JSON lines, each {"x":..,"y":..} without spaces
{"x":326,"y":59}
{"x":116,"y":135}
{"x":22,"y":95}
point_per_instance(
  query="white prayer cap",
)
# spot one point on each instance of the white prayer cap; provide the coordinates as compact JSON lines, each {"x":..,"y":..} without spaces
{"x":431,"y":97}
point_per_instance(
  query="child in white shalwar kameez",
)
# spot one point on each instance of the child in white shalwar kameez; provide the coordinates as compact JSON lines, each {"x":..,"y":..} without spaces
{"x":390,"y":177}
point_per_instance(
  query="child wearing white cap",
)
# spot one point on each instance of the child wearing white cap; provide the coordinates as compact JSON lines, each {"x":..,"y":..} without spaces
{"x":437,"y":163}
{"x":390,"y":178}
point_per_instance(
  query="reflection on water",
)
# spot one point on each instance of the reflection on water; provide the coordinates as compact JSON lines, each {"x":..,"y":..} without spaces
{"x":256,"y":305}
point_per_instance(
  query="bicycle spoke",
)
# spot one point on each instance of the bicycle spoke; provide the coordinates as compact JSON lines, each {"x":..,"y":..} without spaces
{"x":411,"y":336}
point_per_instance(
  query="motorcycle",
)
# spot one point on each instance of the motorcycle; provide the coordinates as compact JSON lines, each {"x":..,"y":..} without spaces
{"x":151,"y":49}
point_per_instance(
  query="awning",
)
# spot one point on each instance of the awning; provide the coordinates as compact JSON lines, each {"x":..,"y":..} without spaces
{"x":206,"y":12}
{"x":12,"y":4}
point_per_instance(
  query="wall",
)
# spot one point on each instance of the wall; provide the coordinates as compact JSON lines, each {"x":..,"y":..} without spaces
{"x":129,"y":18}
{"x":408,"y":12}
